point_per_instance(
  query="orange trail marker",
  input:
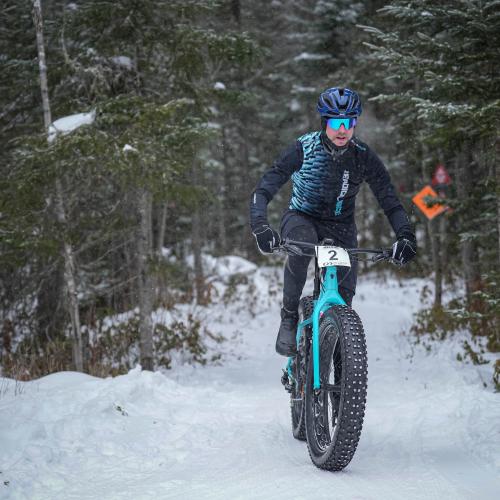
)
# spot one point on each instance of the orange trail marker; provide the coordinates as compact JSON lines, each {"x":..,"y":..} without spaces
{"x":429,"y":212}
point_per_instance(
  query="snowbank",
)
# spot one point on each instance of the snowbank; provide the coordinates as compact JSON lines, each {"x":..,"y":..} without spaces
{"x":431,"y":429}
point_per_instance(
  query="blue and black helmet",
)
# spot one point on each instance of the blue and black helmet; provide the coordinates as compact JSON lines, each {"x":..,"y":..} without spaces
{"x":339,"y":102}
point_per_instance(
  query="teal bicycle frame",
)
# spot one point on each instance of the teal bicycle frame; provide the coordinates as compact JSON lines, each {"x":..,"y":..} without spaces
{"x":328,"y":296}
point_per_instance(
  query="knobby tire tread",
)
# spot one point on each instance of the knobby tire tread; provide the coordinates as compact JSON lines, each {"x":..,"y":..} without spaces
{"x":353,"y":386}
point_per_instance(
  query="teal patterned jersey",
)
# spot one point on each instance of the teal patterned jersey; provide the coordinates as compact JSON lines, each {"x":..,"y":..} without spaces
{"x":325,"y":183}
{"x":311,"y":182}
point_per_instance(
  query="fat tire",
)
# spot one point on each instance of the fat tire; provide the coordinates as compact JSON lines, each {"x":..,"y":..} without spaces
{"x":341,"y":338}
{"x":306,"y":306}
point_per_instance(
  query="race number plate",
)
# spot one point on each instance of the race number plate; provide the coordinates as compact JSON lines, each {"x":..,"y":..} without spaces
{"x":332,"y":256}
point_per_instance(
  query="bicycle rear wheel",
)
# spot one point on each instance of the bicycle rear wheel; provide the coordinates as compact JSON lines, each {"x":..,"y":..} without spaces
{"x":299,"y":370}
{"x":334,"y":414}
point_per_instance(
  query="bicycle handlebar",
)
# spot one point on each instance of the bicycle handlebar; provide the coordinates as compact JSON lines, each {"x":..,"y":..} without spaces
{"x":294,"y":248}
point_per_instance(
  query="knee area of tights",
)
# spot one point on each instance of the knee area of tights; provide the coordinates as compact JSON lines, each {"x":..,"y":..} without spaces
{"x":303,"y":233}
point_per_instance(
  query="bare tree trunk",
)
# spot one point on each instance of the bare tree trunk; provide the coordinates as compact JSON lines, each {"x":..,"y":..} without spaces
{"x":145,"y":282}
{"x":436,"y":261}
{"x":199,"y":281}
{"x":221,"y":229}
{"x":247,"y":240}
{"x":443,"y":244}
{"x":222,"y":198}
{"x":42,"y":65}
{"x":68,"y":254}
{"x":468,"y":247}
{"x":364,"y":224}
{"x":236,"y":11}
{"x":497,"y":183}
{"x":498,"y":216}
{"x":432,"y":236}
{"x":161,"y":230}
{"x":469,"y":260}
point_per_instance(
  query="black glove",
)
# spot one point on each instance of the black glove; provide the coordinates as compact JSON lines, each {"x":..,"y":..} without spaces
{"x":404,"y":249}
{"x":267,"y":238}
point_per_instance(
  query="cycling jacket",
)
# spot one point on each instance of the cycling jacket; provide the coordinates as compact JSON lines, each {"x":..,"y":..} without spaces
{"x":325,"y":183}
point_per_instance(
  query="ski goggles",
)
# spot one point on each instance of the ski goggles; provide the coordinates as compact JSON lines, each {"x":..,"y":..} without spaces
{"x":336,"y":123}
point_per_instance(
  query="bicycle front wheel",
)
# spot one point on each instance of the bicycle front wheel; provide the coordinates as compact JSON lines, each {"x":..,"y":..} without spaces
{"x":334,"y":413}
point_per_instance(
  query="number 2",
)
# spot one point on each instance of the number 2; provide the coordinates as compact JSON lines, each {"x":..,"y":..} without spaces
{"x":334,"y":256}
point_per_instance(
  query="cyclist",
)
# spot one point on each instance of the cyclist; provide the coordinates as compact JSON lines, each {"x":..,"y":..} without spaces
{"x":327,"y":168}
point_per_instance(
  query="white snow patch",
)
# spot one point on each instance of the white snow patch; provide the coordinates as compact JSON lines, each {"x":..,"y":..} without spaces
{"x":123,"y":61}
{"x":294,"y":105}
{"x":302,"y":89}
{"x":128,"y":147}
{"x":231,"y":264}
{"x":222,"y":268}
{"x":219,"y":86}
{"x":69,"y":123}
{"x":308,"y":56}
{"x":213,"y":125}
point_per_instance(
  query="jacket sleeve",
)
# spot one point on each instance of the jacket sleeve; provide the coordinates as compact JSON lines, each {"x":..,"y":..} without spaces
{"x":380,"y":183}
{"x":289,"y":161}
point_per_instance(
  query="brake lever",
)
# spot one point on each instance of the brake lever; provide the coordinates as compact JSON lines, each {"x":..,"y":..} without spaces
{"x":286,"y":249}
{"x":382,"y":256}
{"x":294,"y":249}
{"x":290,"y":248}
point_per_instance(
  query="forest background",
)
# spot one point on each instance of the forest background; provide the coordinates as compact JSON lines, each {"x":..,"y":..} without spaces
{"x":186,"y":104}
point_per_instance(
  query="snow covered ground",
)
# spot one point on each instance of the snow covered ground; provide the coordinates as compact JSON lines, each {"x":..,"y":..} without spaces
{"x":223,"y":432}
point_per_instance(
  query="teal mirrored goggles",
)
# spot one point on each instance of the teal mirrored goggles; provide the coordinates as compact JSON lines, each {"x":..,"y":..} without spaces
{"x":336,"y":123}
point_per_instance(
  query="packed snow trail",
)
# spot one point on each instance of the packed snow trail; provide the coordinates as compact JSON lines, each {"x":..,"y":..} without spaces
{"x":431,"y":429}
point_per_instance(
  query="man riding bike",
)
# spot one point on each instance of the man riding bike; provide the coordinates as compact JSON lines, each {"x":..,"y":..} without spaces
{"x":327,"y":169}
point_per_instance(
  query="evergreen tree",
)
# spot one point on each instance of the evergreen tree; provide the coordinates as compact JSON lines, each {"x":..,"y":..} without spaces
{"x":438,"y":63}
{"x":142,"y":67}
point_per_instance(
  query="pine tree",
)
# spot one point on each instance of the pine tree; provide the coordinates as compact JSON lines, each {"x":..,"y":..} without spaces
{"x":438,"y":63}
{"x":143,"y":68}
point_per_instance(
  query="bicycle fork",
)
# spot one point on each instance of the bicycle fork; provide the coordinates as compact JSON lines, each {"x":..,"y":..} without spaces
{"x":328,"y":296}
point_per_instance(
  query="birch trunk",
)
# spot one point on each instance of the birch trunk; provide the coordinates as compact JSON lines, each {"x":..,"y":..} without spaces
{"x":68,"y":254}
{"x":145,"y":282}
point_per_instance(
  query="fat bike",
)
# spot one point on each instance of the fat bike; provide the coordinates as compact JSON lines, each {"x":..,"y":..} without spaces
{"x":327,"y":379}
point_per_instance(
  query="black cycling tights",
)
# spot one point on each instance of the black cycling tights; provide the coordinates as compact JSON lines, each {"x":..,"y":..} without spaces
{"x":296,"y":270}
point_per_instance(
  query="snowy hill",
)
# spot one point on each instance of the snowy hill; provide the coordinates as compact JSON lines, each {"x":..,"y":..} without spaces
{"x":223,"y":432}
